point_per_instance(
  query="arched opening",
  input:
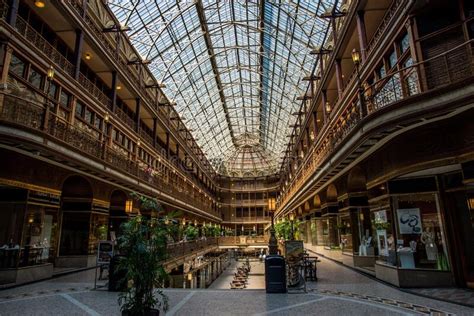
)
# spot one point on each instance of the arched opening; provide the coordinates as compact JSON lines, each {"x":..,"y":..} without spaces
{"x":117,"y":213}
{"x":76,"y":206}
{"x":331,"y":194}
{"x":356,"y":181}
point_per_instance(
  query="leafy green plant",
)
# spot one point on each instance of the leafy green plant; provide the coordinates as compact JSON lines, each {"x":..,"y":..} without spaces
{"x":283,"y":229}
{"x":191,"y":232}
{"x":143,"y":244}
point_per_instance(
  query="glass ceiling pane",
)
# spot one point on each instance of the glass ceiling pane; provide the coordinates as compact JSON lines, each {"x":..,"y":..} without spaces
{"x":237,"y":83}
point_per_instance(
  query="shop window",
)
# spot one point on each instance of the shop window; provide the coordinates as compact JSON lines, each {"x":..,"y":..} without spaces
{"x":52,"y":90}
{"x":383,"y":238}
{"x":345,"y":232}
{"x":17,"y":66}
{"x":381,"y":72}
{"x":98,"y":122}
{"x":64,"y":99}
{"x":40,"y":232}
{"x":35,"y":78}
{"x":392,"y":59}
{"x":88,"y":116}
{"x":421,"y":239}
{"x":404,"y":43}
{"x":79,"y":109}
{"x":99,"y":229}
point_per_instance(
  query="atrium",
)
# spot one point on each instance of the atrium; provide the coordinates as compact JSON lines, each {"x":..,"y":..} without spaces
{"x":236,"y":157}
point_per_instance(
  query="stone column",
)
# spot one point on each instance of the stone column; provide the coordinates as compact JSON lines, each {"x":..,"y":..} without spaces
{"x":12,"y":12}
{"x":78,"y":47}
{"x":137,"y":114}
{"x":340,"y":83}
{"x":362,"y":35}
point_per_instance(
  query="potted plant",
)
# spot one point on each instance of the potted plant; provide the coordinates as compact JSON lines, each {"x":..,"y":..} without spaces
{"x":143,"y":243}
{"x":191,"y":232}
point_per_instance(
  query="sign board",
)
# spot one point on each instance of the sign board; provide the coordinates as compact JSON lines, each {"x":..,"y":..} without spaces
{"x":409,"y":221}
{"x":105,"y":251}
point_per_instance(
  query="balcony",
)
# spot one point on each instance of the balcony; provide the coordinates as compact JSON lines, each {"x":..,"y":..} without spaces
{"x":397,"y":89}
{"x":243,"y":241}
{"x":36,"y":41}
{"x":36,"y":118}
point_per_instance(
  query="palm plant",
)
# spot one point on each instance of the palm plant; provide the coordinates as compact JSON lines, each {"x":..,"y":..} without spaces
{"x":143,"y":243}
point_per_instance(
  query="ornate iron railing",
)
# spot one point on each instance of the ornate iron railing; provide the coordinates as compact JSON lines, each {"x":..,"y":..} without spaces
{"x":37,"y":117}
{"x":443,"y":70}
{"x":31,"y":35}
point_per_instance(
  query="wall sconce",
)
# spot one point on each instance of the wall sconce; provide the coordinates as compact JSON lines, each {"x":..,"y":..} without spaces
{"x":129,"y":206}
{"x":183,"y":221}
{"x":271,"y":204}
{"x":167,"y":221}
{"x":292,"y":216}
{"x":328,"y":107}
{"x":106,"y":117}
{"x":311,"y":135}
{"x":139,"y":142}
{"x":118,"y":87}
{"x":50,"y":72}
{"x":355,"y":57}
{"x":190,"y":276}
{"x":88,"y":56}
{"x":301,"y":154}
{"x":242,"y":227}
{"x":40,"y":4}
{"x":195,"y":222}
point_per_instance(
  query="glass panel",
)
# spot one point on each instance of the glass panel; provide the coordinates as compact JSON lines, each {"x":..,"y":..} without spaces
{"x":254,"y":93}
{"x":392,"y":59}
{"x":421,"y":239}
{"x":53,"y":89}
{"x":79,"y":109}
{"x":35,"y":78}
{"x":99,"y":228}
{"x":17,"y":66}
{"x":405,"y":43}
{"x":64,"y":99}
{"x":88,"y":116}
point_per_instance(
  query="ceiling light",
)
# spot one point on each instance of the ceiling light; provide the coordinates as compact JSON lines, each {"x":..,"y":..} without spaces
{"x":118,"y":87}
{"x":40,"y":4}
{"x":87,"y":56}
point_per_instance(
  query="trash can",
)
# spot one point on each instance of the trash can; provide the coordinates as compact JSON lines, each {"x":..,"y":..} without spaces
{"x":117,"y":281}
{"x":275,"y":274}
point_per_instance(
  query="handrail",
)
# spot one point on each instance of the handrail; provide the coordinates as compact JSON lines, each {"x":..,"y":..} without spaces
{"x":36,"y":116}
{"x":454,"y":65}
{"x":25,"y":30}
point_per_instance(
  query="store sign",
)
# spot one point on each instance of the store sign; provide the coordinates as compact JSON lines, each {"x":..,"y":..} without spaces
{"x":409,"y":221}
{"x":105,"y":251}
{"x":43,"y":197}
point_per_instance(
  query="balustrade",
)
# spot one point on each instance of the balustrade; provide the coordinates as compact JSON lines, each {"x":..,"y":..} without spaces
{"x":31,"y":115}
{"x":447,"y":68}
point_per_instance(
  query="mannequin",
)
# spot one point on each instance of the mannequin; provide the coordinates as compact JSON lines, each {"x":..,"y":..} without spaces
{"x":428,"y":239}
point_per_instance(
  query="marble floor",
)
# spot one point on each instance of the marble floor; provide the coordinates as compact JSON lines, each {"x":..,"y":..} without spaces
{"x":338,"y":291}
{"x":255,"y":281}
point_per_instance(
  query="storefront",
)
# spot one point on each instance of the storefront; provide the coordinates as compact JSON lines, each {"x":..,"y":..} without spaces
{"x":29,"y":233}
{"x":410,"y":235}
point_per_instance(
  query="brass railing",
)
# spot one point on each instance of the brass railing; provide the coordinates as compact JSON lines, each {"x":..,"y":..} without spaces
{"x":31,"y":35}
{"x":443,"y":70}
{"x":180,"y":249}
{"x":37,"y":117}
{"x":242,"y":240}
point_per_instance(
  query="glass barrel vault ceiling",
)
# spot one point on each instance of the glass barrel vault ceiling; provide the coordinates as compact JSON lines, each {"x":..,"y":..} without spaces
{"x":234,"y":69}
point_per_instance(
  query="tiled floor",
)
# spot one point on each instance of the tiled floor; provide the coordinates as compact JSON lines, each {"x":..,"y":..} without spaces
{"x":256,"y":277}
{"x":339,"y":291}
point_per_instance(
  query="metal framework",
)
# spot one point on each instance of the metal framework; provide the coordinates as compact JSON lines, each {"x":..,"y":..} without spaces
{"x":235,"y":69}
